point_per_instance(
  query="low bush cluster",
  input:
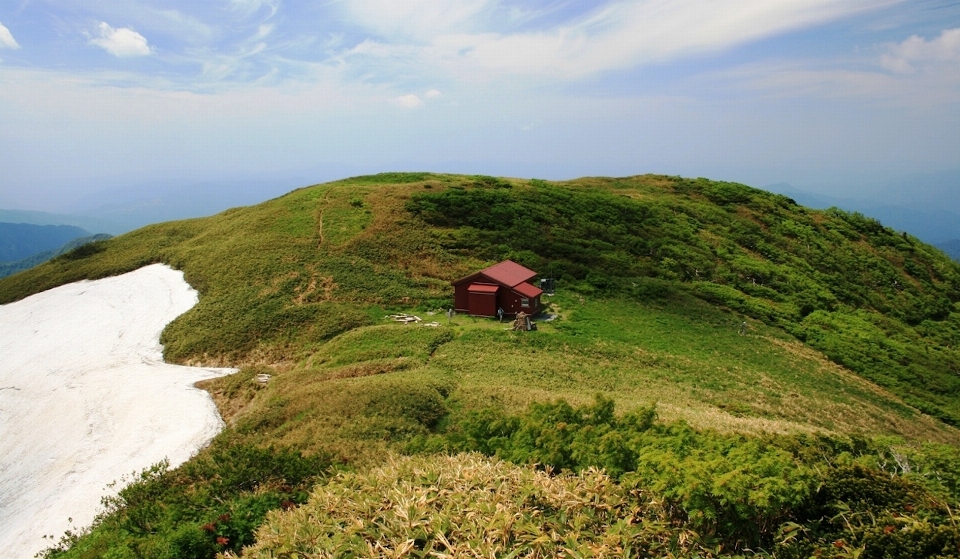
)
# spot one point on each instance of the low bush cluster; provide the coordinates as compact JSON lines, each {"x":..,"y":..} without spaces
{"x":211,"y":504}
{"x":797,"y":496}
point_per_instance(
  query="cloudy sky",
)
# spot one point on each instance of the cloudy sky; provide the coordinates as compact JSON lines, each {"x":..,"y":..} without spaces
{"x":97,"y":93}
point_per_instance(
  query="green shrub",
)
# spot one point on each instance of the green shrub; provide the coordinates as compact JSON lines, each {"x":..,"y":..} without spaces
{"x":467,"y":506}
{"x":211,"y":504}
{"x":742,"y":492}
{"x":391,"y":178}
{"x":83,"y":251}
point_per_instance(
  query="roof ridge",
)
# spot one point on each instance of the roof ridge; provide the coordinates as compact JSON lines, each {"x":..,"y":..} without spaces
{"x":508,"y":273}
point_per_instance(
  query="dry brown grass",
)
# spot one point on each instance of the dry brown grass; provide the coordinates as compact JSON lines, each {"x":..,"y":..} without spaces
{"x":467,"y":506}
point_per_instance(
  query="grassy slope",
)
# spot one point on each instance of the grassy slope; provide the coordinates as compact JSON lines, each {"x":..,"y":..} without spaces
{"x":280,"y":279}
{"x":273,"y":279}
{"x":878,"y":302}
{"x":683,"y":355}
{"x":649,"y":267}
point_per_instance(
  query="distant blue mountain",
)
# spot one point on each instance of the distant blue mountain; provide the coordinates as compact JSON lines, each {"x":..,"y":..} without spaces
{"x":10,"y":268}
{"x":934,"y":226}
{"x":86,"y":223}
{"x":133,"y":206}
{"x":952,"y":248}
{"x":120,"y":209}
{"x":22,"y":240}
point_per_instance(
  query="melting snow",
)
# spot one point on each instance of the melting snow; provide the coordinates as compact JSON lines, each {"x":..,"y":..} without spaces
{"x":86,"y":399}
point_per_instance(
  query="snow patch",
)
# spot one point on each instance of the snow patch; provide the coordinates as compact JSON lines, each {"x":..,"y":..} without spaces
{"x":85,"y":399}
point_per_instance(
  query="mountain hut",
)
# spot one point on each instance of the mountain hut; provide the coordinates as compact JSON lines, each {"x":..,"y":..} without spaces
{"x":502,"y":286}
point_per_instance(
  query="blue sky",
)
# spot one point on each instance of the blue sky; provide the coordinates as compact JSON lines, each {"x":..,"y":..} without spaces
{"x":826,"y":94}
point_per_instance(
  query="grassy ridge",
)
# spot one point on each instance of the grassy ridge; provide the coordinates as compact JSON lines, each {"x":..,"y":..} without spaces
{"x":281,"y":279}
{"x":273,"y":278}
{"x":656,"y":275}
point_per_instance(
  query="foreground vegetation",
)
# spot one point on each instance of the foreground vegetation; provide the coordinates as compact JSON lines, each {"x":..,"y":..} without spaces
{"x":211,"y":504}
{"x":586,"y":481}
{"x":784,"y":380}
{"x":680,"y":493}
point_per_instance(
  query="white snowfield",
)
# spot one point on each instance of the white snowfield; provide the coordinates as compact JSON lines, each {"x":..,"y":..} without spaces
{"x":86,"y":399}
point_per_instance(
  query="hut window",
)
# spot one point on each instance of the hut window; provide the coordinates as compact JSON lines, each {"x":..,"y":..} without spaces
{"x":524,"y":302}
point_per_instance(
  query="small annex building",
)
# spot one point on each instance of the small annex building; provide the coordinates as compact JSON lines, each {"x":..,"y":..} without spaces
{"x":505,"y":286}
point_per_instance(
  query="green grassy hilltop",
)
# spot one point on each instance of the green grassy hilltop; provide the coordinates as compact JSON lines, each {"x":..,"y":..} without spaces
{"x":827,"y":426}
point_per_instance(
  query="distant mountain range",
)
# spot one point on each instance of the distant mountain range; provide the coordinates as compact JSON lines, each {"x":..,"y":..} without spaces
{"x":908,"y":208}
{"x":930,"y":225}
{"x":130,"y":207}
{"x":28,"y":238}
{"x":87,"y":223}
{"x":10,"y":268}
{"x":25,"y":245}
{"x":117,"y":210}
{"x":952,"y":248}
{"x":21,"y":240}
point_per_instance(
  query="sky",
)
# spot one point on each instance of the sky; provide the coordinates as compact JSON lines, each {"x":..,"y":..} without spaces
{"x":831,"y":95}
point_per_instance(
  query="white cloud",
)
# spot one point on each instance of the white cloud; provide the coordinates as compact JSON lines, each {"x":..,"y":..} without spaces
{"x":6,"y":39}
{"x":182,"y":27}
{"x":250,"y":7}
{"x":102,"y":96}
{"x":262,"y":31}
{"x":626,"y":34}
{"x":917,"y":73}
{"x":804,"y":80}
{"x":121,"y":42}
{"x":175,"y":23}
{"x":432,"y":93}
{"x":916,"y":52}
{"x":457,"y":37}
{"x":414,"y":18}
{"x":856,"y":82}
{"x":409,"y":101}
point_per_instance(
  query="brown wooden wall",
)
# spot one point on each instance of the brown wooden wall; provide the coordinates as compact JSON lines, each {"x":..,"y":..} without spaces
{"x":461,"y":297}
{"x":483,"y":304}
{"x":509,"y":301}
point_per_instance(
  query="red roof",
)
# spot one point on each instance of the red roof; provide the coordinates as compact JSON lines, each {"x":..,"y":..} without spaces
{"x":508,"y":273}
{"x":527,"y":290}
{"x":482,"y":288}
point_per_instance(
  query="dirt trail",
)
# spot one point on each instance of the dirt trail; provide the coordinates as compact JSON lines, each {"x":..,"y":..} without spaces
{"x":323,"y":208}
